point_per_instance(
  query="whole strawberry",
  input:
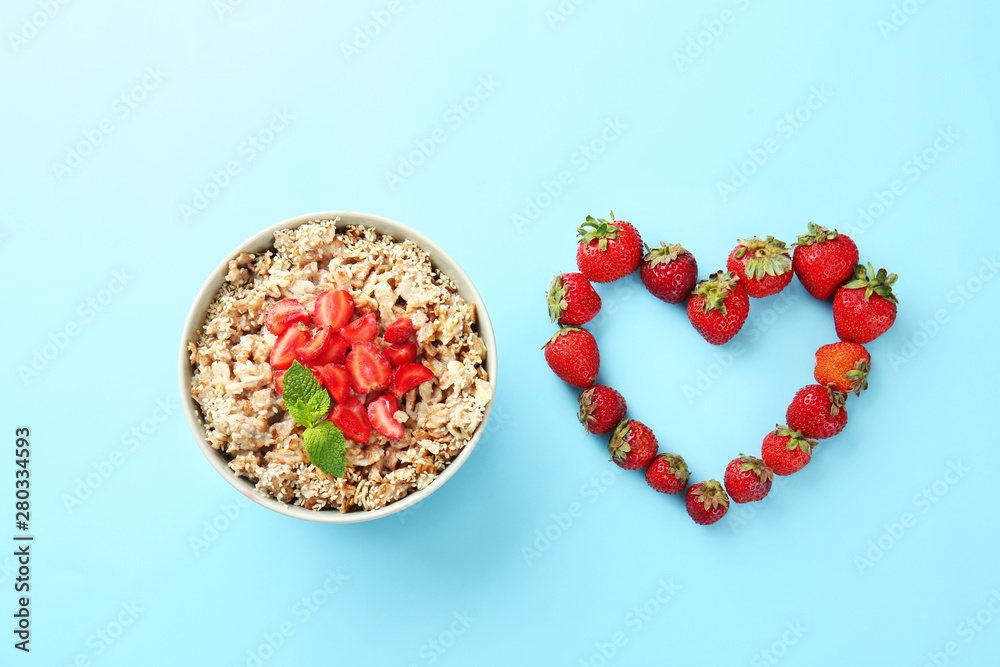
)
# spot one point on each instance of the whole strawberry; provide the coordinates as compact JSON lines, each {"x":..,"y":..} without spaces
{"x":632,"y":445}
{"x":601,"y":409}
{"x":763,"y":267}
{"x":608,"y":249}
{"x":865,"y":308}
{"x":668,"y":473}
{"x":718,"y":307}
{"x":572,"y":354}
{"x":748,"y":479}
{"x":786,"y":451}
{"x":824,"y":260}
{"x":706,"y":502}
{"x":669,"y":272}
{"x":843,"y":366}
{"x":572,"y":299}
{"x":817,"y":412}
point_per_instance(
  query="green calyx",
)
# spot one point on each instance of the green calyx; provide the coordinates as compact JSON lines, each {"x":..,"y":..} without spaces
{"x":618,"y":447}
{"x":858,"y":376}
{"x":586,"y":414}
{"x":664,"y":254}
{"x":600,"y":230}
{"x":711,"y":495}
{"x":768,"y":257}
{"x":557,"y":298}
{"x":816,"y":234}
{"x":715,"y":289}
{"x":881,"y":283}
{"x":837,"y":400}
{"x":678,"y":466}
{"x":563,"y":330}
{"x":757,"y":467}
{"x":796,"y":440}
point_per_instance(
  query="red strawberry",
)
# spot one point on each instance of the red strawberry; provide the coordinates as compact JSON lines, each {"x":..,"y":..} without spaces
{"x":748,"y":479}
{"x":668,"y":473}
{"x":380,"y":415}
{"x":601,"y":408}
{"x":786,"y":451}
{"x":360,"y":330}
{"x":572,"y":299}
{"x":351,"y":417}
{"x":399,"y":331}
{"x":283,"y":314}
{"x":333,"y":309}
{"x":632,"y":445}
{"x":401,"y":353}
{"x":336,"y":379}
{"x":406,"y":377}
{"x":369,"y":369}
{"x":824,"y":260}
{"x":316,"y":346}
{"x":283,"y":352}
{"x":865,"y":308}
{"x":334,"y":352}
{"x":608,"y":249}
{"x":763,"y":267}
{"x":706,"y":502}
{"x":844,"y":366}
{"x":718,"y":307}
{"x":572,"y":354}
{"x":669,"y":272}
{"x":817,"y":412}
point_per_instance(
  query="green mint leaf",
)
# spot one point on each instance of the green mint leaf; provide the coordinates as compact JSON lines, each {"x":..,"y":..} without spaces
{"x":319,"y":403}
{"x":327,"y":448}
{"x":300,"y":412}
{"x":305,"y":398}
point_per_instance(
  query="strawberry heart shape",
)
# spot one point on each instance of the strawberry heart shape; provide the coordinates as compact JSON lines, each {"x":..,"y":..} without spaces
{"x":824,"y":261}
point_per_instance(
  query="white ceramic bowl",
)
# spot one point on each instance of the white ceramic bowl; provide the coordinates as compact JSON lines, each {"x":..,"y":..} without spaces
{"x":265,"y":240}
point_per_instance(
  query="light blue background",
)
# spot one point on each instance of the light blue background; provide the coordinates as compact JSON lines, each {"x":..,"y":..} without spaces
{"x":538,"y":551}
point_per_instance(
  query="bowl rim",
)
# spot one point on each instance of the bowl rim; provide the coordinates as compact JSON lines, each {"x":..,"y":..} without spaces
{"x":264,"y":240}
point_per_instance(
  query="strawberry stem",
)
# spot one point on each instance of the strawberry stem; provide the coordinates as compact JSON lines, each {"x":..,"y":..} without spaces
{"x":816,"y":234}
{"x":664,"y":254}
{"x":880,"y":283}
{"x":557,"y":298}
{"x":768,"y":257}
{"x":600,"y":230}
{"x":715,"y":289}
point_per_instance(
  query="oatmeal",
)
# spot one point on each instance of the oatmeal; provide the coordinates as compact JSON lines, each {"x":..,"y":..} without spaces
{"x":236,"y":384}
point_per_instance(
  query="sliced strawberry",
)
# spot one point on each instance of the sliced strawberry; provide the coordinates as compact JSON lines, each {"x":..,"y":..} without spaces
{"x":283,"y":352}
{"x":380,"y":414}
{"x":399,"y":331}
{"x":334,"y":353}
{"x":278,"y":376}
{"x":354,"y":404}
{"x":408,"y":376}
{"x":360,"y":330}
{"x":369,"y":368}
{"x":333,"y":309}
{"x":315,"y":346}
{"x":336,"y":379}
{"x":284,"y":314}
{"x":401,"y":353}
{"x":351,"y":418}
